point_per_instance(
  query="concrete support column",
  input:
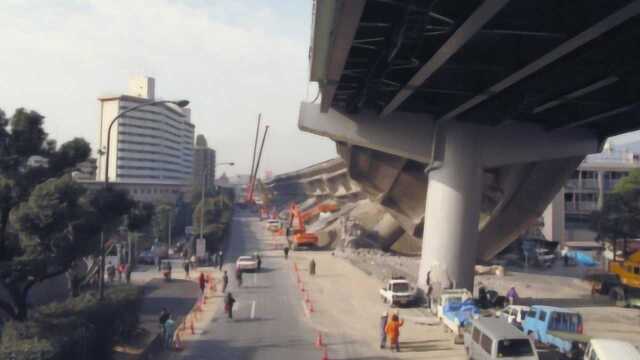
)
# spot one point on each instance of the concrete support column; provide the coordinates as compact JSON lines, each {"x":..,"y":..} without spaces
{"x":452,"y":212}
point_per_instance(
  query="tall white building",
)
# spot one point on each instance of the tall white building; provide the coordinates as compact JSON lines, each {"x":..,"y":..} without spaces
{"x":153,"y":145}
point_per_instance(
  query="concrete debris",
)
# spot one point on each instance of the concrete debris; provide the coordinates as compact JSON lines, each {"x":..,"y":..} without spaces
{"x":497,"y":270}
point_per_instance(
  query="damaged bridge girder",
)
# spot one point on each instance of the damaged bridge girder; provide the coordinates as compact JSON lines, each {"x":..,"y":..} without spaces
{"x":522,"y":167}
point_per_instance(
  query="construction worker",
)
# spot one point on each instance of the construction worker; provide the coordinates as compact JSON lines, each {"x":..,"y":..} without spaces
{"x":383,"y":326}
{"x":393,"y":332}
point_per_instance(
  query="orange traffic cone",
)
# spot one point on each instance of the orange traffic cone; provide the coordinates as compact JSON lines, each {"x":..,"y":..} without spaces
{"x":319,"y":342}
{"x":325,"y":355}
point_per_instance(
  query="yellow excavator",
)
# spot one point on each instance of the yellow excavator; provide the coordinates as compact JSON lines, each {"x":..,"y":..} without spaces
{"x":623,"y":281}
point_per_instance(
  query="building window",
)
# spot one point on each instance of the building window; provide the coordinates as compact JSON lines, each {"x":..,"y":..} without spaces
{"x":589,"y":174}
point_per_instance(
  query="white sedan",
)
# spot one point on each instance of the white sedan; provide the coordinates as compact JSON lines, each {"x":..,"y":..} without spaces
{"x":246,"y":263}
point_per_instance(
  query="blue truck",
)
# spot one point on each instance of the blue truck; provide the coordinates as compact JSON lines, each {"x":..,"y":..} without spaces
{"x":556,"y":327}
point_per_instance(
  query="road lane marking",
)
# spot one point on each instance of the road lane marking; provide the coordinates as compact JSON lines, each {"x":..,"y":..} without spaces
{"x":253,"y":309}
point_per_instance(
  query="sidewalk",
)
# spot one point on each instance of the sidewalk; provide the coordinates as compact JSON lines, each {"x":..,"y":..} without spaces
{"x":346,"y":304}
{"x":194,"y":322}
{"x":178,"y":296}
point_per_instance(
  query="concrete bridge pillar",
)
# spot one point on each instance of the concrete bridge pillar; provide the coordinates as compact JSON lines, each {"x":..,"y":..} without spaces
{"x":452,"y":211}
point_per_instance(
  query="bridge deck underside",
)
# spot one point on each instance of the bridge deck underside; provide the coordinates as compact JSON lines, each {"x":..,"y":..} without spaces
{"x":555,"y":63}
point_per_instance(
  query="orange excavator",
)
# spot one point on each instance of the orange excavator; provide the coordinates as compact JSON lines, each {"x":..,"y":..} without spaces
{"x":300,"y":236}
{"x":316,"y":210}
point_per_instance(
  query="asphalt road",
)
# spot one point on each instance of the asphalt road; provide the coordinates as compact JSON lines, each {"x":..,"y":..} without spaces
{"x":269,"y":321}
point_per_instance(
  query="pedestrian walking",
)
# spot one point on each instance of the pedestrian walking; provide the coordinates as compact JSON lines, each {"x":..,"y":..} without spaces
{"x":312,"y":267}
{"x":169,"y":329}
{"x":229,"y":300}
{"x":164,"y":316}
{"x":259,"y":260}
{"x":383,"y":326}
{"x":225,"y":281}
{"x":220,"y":259}
{"x":186,"y":265}
{"x":286,"y":252}
{"x":393,"y":332}
{"x":512,"y":295}
{"x":202,"y":281}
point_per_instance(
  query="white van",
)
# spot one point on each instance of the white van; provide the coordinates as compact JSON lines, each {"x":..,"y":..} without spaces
{"x":608,"y":349}
{"x":494,"y":338}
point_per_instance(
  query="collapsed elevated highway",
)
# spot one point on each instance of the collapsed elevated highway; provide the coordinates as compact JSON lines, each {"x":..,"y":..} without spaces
{"x":465,"y":118}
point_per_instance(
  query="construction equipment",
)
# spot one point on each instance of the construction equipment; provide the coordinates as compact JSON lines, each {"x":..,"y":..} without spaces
{"x":628,"y":272}
{"x":324,"y":207}
{"x":300,"y":236}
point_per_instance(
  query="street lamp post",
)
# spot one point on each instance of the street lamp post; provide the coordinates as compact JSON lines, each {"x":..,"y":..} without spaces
{"x":179,"y":103}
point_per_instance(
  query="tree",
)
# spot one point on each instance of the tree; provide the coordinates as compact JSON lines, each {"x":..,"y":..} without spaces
{"x":21,"y":138}
{"x":163,"y":215}
{"x":619,"y":217}
{"x":57,"y":225}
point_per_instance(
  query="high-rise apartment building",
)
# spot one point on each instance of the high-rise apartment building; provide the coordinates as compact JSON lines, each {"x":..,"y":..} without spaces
{"x":204,"y":164}
{"x":152,"y":145}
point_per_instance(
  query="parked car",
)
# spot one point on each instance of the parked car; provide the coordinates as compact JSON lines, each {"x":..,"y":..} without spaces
{"x":554,"y":326}
{"x":146,"y":257}
{"x":246,"y":263}
{"x":492,"y":338}
{"x":608,"y":349}
{"x":514,"y":314}
{"x":398,"y":292}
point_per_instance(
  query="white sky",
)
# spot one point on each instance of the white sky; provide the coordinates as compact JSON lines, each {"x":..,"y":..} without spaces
{"x":231,"y":58}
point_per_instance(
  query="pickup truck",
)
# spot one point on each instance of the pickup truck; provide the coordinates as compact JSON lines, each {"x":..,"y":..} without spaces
{"x":398,"y":292}
{"x":557,"y":327}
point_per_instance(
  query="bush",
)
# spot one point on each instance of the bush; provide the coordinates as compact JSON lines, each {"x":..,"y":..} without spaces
{"x":78,"y":328}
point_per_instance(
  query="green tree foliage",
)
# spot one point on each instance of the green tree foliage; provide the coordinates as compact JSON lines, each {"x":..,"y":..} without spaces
{"x":217,"y":216}
{"x":629,"y":184}
{"x":163,"y":214}
{"x":22,"y":137}
{"x":58,"y":224}
{"x":619,"y":217}
{"x":54,"y":221}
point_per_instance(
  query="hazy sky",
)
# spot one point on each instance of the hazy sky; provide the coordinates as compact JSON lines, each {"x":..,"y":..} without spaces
{"x":231,"y":58}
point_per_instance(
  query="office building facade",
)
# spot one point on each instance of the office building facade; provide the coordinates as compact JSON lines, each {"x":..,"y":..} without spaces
{"x":152,"y":145}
